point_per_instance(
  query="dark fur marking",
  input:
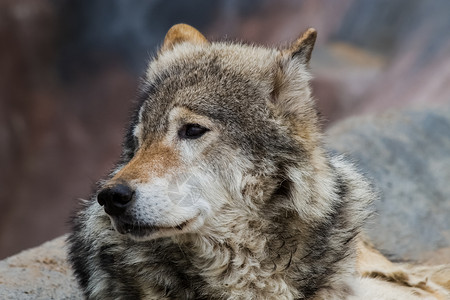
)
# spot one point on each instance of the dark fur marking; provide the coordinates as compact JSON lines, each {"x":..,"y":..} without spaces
{"x":79,"y":265}
{"x":106,"y":259}
{"x":322,"y":251}
{"x":400,"y":278}
{"x":78,"y":251}
{"x":341,"y":186}
{"x":283,"y":189}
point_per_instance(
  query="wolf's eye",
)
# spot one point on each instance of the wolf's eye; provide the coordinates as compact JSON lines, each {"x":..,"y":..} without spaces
{"x":191,"y":131}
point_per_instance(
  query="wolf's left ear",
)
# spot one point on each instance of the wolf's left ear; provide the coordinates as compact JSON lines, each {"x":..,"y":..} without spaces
{"x":181,"y":33}
{"x":291,"y":92}
{"x":302,"y":48}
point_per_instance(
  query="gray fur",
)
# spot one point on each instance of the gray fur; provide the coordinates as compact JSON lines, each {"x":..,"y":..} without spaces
{"x":284,"y":216}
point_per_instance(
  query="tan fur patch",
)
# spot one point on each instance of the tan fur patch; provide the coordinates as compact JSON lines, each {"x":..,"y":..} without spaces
{"x":150,"y":161}
{"x":369,"y":259}
{"x":372,"y":264}
{"x":442,"y":277}
{"x":304,"y":44}
{"x":180,"y":33}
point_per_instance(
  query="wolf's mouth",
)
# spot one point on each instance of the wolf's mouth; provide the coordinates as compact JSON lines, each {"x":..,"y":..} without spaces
{"x":145,"y":230}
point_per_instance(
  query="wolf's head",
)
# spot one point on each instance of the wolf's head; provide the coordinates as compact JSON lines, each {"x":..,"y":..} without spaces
{"x":222,"y":131}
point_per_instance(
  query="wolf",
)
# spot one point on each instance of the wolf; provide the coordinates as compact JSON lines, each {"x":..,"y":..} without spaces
{"x":224,"y":190}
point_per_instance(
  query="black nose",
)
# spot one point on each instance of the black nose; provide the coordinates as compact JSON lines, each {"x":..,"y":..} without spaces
{"x":115,"y":199}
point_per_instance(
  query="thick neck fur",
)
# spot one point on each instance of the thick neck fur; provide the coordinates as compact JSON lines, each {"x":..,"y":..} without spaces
{"x":284,"y":251}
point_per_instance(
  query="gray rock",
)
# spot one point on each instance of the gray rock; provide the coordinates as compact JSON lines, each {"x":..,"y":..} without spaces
{"x":38,"y":273}
{"x":407,"y":155}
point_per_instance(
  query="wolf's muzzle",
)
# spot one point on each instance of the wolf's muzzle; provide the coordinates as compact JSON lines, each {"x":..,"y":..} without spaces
{"x":115,"y":198}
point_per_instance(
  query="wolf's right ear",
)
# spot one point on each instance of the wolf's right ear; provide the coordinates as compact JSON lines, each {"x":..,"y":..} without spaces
{"x":181,"y":33}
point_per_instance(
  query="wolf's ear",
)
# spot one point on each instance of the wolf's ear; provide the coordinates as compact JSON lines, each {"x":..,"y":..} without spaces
{"x":181,"y":33}
{"x":291,"y":91}
{"x":302,"y":48}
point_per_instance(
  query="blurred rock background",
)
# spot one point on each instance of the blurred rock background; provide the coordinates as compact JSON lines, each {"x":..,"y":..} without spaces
{"x":69,"y":71}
